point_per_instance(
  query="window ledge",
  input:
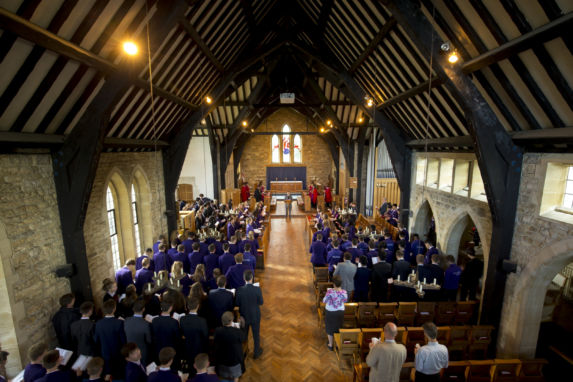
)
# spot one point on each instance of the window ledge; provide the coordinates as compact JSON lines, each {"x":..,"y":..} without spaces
{"x":564,"y":217}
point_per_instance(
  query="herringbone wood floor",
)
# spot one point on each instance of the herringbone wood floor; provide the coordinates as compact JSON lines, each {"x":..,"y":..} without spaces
{"x":294,"y":347}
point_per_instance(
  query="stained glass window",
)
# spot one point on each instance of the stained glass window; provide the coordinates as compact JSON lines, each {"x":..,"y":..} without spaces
{"x":276,"y":148}
{"x":297,"y":148}
{"x":286,"y":144}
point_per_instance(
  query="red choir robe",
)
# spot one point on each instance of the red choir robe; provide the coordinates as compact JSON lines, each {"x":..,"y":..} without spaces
{"x":245,"y":193}
{"x":327,"y":195}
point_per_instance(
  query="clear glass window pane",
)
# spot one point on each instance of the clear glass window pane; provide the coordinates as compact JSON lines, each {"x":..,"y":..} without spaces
{"x":275,"y":146}
{"x":568,"y":200}
{"x":569,"y":187}
{"x":297,"y":149}
{"x":570,"y":174}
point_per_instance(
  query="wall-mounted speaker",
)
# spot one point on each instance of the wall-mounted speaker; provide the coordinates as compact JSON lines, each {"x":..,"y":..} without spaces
{"x":67,"y":270}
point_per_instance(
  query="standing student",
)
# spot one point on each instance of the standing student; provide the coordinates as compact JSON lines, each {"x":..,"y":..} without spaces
{"x":124,"y":276}
{"x":333,"y":257}
{"x":220,"y":301}
{"x":180,"y":255}
{"x":160,"y":259}
{"x":147,"y":255}
{"x":195,"y":257}
{"x":165,"y":329}
{"x":134,"y":370}
{"x":51,"y":362}
{"x":201,"y":365}
{"x":109,"y":334}
{"x":94,"y":369}
{"x":35,"y":369}
{"x":226,"y":259}
{"x":249,"y":298}
{"x":138,"y":331}
{"x":235,"y":272}
{"x":318,"y":252}
{"x":346,"y":270}
{"x":451,"y":279}
{"x":143,"y":276}
{"x":362,"y":280}
{"x":83,"y":331}
{"x":195,"y":331}
{"x":228,"y":349}
{"x":63,"y":319}
{"x":165,"y":373}
{"x":381,"y":272}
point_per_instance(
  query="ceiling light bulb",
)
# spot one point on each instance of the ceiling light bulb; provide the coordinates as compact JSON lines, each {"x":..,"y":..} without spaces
{"x":329,"y":122}
{"x":252,"y":130}
{"x":244,"y":123}
{"x":322,"y":129}
{"x":203,"y":121}
{"x":360,"y":120}
{"x":130,"y":48}
{"x":208,"y":99}
{"x":453,"y":58}
{"x":370,"y":102}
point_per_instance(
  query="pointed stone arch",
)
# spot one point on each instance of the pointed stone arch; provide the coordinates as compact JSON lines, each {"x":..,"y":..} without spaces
{"x":144,"y":196}
{"x":421,"y":219}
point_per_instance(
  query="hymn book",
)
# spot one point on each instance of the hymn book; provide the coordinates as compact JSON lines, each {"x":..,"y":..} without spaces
{"x":65,"y":354}
{"x":81,"y":363}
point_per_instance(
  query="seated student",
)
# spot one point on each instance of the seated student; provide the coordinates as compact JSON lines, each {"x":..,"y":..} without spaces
{"x":195,"y":257}
{"x":35,"y":369}
{"x":165,"y":372}
{"x":51,"y":362}
{"x":195,"y":331}
{"x":248,"y":257}
{"x":94,"y":369}
{"x":160,"y":259}
{"x":201,"y":365}
{"x":235,"y":272}
{"x":63,"y":319}
{"x":134,"y":370}
{"x":451,"y":279}
{"x":211,"y":261}
{"x":165,"y":329}
{"x":226,"y":259}
{"x":362,"y":280}
{"x":83,"y":331}
{"x":143,"y":275}
{"x":109,"y":334}
{"x":147,"y":255}
{"x":333,"y":257}
{"x":138,"y":331}
{"x":180,"y":255}
{"x":124,"y":276}
{"x":318,"y":252}
{"x":228,"y":352}
{"x":110,"y":289}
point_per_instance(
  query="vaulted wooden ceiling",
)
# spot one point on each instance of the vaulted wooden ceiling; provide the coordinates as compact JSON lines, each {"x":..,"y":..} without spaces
{"x":55,"y":56}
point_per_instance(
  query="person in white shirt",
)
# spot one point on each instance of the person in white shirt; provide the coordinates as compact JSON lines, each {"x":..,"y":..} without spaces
{"x":430,"y":358}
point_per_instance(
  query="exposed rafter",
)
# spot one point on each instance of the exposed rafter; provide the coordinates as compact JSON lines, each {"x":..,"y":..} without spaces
{"x":383,"y":32}
{"x":201,"y":44}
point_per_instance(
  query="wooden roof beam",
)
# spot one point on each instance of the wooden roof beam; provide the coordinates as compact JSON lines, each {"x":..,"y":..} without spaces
{"x":42,"y":37}
{"x":201,"y":44}
{"x":383,"y":32}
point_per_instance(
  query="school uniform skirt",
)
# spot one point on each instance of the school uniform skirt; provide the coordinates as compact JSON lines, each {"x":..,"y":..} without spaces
{"x":333,"y":320}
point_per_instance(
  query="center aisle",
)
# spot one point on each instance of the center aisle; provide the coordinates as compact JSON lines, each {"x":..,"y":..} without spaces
{"x":294,"y":348}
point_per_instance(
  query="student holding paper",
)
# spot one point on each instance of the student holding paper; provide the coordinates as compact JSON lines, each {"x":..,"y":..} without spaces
{"x":134,"y":370}
{"x":165,"y":374}
{"x":248,"y":299}
{"x":94,"y":369}
{"x":83,"y":331}
{"x":51,"y":362}
{"x":110,"y":335}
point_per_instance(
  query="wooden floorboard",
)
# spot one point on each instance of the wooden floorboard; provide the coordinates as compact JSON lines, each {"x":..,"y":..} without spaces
{"x":294,"y":347}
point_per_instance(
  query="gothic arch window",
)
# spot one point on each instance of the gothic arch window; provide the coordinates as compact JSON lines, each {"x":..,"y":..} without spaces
{"x":286,"y":144}
{"x":112,"y":224}
{"x":297,"y":149}
{"x":135,"y":218}
{"x":275,"y":149}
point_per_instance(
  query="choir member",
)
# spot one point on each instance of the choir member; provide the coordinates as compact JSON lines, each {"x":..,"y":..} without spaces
{"x":83,"y":331}
{"x":227,"y":258}
{"x":160,"y":259}
{"x":195,"y":257}
{"x":362,"y":280}
{"x":124,"y":276}
{"x":51,"y":362}
{"x":109,"y":334}
{"x":63,"y":319}
{"x":134,"y":370}
{"x":138,"y":331}
{"x":35,"y":369}
{"x":195,"y":331}
{"x":166,"y":373}
{"x":143,"y":276}
{"x":149,"y":255}
{"x":234,"y":273}
{"x":165,"y":330}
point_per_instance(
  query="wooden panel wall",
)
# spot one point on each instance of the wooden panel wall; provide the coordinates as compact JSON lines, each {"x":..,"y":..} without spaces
{"x":386,"y":188}
{"x":185,"y":192}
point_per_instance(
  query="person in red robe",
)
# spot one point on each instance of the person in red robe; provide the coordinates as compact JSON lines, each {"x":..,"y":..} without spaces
{"x":245,"y":192}
{"x":314,"y":197}
{"x":328,"y":197}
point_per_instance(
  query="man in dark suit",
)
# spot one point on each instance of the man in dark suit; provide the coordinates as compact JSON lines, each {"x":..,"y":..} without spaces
{"x":83,"y":331}
{"x":134,"y":370}
{"x":470,"y":276}
{"x":400,"y":270}
{"x":63,"y":319}
{"x":381,"y":272}
{"x":249,"y":298}
{"x":138,"y":331}
{"x":196,"y":333}
{"x":165,"y":330}
{"x":110,"y":336}
{"x":220,"y":301}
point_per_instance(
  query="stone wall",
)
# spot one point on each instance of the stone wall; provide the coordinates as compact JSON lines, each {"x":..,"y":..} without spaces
{"x":541,"y":247}
{"x":122,"y":170}
{"x":31,"y":247}
{"x":315,"y":152}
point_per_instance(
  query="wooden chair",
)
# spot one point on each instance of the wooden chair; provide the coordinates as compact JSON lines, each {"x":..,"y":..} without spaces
{"x":321,"y":314}
{"x":459,"y":342}
{"x":455,"y":372}
{"x":361,"y":372}
{"x":414,"y":335}
{"x":407,"y":372}
{"x":444,"y":334}
{"x":406,"y":313}
{"x":425,"y":312}
{"x":350,"y":310}
{"x":505,"y":370}
{"x":532,"y":370}
{"x":464,"y":312}
{"x":366,"y":314}
{"x":445,"y":313}
{"x":401,"y":336}
{"x":386,"y":313}
{"x":367,"y":335}
{"x":346,"y":343}
{"x":320,"y":275}
{"x":480,"y":340}
{"x":479,"y":371}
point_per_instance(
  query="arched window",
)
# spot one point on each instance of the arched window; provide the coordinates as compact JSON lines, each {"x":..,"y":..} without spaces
{"x":297,"y":149}
{"x":276,"y":148}
{"x":135,"y":221}
{"x":286,"y":144}
{"x":113,"y":229}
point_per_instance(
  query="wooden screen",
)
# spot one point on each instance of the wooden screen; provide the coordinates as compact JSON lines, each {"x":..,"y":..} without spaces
{"x":386,"y":188}
{"x":185,"y":192}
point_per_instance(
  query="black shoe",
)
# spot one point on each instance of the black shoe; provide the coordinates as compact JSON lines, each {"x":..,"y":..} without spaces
{"x":331,"y":348}
{"x":258,"y":354}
